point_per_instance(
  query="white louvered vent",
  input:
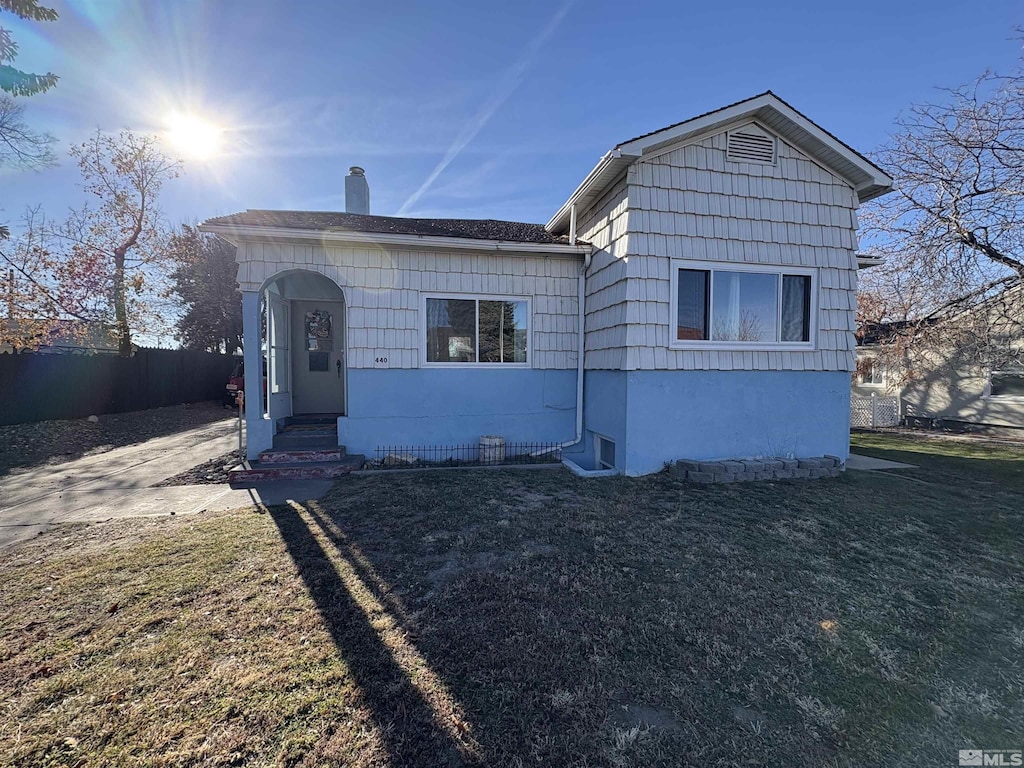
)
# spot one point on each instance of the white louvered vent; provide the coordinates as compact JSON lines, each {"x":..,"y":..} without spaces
{"x":750,"y":144}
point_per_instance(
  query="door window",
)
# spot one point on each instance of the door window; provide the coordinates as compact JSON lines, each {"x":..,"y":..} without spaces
{"x":319,"y":339}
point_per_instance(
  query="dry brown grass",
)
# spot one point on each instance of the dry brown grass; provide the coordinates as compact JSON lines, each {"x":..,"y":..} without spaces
{"x":507,"y":619}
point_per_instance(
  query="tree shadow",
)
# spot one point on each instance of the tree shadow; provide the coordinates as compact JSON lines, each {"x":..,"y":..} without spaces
{"x":367,"y":629}
{"x":35,"y":444}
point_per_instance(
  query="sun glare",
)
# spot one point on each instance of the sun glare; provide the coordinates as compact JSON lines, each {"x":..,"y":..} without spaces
{"x":193,"y":136}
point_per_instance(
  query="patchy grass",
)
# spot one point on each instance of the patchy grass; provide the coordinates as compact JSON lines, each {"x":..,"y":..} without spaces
{"x":511,"y":618}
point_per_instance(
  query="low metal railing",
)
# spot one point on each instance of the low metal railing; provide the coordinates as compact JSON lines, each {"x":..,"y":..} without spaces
{"x":463,"y":455}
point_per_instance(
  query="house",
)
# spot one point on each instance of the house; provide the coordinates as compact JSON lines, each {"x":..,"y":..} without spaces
{"x":947,"y":379}
{"x":60,"y":337}
{"x":707,"y":270}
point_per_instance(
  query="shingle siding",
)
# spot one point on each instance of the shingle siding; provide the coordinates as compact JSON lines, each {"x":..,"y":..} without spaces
{"x":605,"y":226}
{"x":383,"y":290}
{"x":691,"y":203}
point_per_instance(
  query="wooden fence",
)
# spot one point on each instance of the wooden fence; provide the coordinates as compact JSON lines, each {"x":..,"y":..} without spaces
{"x":35,"y":387}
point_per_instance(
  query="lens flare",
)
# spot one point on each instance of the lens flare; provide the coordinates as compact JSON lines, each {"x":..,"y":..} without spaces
{"x":193,"y":136}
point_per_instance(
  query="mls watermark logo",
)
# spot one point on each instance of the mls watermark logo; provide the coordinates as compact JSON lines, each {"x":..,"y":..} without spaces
{"x":999,"y":757}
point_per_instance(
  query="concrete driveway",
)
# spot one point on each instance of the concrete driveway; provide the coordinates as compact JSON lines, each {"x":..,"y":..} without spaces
{"x":119,"y":484}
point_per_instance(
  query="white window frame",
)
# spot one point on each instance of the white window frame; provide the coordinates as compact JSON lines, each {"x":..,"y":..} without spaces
{"x":1008,"y":398}
{"x":729,"y":266}
{"x":875,"y":365}
{"x":478,"y":297}
{"x":280,"y":381}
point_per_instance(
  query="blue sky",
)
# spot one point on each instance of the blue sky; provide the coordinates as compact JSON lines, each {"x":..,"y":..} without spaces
{"x":467,"y":109}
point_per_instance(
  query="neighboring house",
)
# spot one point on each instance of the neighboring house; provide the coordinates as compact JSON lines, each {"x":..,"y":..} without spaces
{"x":708,"y":269}
{"x":70,"y":337}
{"x":947,"y":387}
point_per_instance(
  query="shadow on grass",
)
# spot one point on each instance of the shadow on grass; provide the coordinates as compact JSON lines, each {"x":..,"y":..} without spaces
{"x":416,"y":720}
{"x":947,"y":461}
{"x":647,"y":622}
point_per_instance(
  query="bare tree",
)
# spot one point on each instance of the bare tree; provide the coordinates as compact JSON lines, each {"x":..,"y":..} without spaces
{"x":952,"y":234}
{"x":21,"y":146}
{"x":107,"y":262}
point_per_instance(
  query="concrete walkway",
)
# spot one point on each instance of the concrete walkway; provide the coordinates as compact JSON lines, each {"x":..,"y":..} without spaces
{"x":871,"y":464}
{"x":119,"y":484}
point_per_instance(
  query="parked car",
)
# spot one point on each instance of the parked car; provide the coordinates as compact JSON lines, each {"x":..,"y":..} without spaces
{"x":236,"y":383}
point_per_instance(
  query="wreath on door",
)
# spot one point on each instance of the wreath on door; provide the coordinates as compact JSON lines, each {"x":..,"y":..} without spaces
{"x":318,"y":324}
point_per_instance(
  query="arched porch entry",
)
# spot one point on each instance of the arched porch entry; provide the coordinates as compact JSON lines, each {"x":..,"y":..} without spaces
{"x":303,"y":329}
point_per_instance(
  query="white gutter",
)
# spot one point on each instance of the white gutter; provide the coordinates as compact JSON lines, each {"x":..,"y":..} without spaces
{"x":235,"y":233}
{"x":584,"y":187}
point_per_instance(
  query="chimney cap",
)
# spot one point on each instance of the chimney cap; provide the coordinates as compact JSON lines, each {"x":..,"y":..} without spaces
{"x":355,"y":170}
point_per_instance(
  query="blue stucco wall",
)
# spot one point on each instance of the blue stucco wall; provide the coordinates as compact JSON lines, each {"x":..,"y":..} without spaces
{"x":604,"y":413}
{"x":733,"y":414}
{"x":446,"y":406}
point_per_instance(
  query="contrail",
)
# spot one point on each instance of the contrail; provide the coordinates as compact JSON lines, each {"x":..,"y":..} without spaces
{"x":510,"y":81}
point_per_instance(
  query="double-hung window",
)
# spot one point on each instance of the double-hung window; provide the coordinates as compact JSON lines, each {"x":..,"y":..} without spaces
{"x":469,"y":330}
{"x":741,"y":306}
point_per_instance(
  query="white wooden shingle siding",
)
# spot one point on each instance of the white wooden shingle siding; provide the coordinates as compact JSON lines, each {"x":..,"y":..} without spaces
{"x":383,"y":288}
{"x":605,"y":227}
{"x":692,"y":203}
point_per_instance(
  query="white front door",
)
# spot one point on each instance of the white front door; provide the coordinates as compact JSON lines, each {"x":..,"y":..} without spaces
{"x":318,"y":357}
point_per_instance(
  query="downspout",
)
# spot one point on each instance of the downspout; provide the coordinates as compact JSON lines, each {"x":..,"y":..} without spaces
{"x":581,"y":295}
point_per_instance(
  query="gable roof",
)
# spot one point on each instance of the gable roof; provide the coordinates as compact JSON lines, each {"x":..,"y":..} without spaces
{"x":868,"y":179}
{"x":330,"y":221}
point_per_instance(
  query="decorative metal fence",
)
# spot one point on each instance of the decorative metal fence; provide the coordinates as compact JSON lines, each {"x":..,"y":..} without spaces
{"x":468,"y":455}
{"x":875,"y":411}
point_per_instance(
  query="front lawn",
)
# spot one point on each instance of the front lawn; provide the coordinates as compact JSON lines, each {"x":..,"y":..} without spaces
{"x":519,"y":618}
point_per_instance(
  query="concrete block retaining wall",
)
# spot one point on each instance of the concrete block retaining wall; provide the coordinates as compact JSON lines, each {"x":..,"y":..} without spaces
{"x":741,"y":470}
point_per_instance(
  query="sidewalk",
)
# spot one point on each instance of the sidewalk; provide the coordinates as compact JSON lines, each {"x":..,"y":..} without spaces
{"x":119,"y":484}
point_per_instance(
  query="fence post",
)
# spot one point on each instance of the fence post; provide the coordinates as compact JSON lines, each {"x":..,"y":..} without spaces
{"x":874,"y":410}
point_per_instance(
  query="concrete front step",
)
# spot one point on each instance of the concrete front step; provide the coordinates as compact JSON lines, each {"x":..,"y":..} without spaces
{"x":256,"y":471}
{"x":316,"y":455}
{"x":326,"y":420}
{"x":305,"y":441}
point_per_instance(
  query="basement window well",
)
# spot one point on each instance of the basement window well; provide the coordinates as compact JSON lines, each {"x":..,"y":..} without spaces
{"x":604,"y":451}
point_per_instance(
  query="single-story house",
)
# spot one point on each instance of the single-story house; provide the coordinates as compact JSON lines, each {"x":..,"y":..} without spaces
{"x":694,"y":297}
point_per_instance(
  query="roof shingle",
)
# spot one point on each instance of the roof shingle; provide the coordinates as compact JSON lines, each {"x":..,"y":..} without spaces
{"x":328,"y":221}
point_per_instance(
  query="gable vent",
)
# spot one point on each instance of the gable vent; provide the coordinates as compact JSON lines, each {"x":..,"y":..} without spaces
{"x":750,"y":145}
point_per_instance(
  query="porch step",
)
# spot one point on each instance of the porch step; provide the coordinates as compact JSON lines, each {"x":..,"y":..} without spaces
{"x":306,"y":438}
{"x":258,"y":471}
{"x":333,"y":453}
{"x":322,"y":419}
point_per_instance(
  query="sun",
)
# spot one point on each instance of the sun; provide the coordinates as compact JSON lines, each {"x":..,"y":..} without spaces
{"x":193,"y":136}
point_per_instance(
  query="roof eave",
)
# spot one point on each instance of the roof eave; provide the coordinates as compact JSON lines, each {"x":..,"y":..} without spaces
{"x":866,"y":262}
{"x":873,"y":181}
{"x":235,"y":233}
{"x":607,"y":170}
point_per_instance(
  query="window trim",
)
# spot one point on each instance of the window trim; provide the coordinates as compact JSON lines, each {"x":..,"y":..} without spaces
{"x":278,"y":384}
{"x":875,"y":364}
{"x":1008,"y":398}
{"x":478,"y":297}
{"x":729,"y":266}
